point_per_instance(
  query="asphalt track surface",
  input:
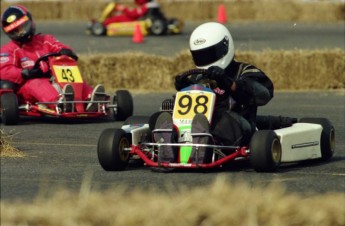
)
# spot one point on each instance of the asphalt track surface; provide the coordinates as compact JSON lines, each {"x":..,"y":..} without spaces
{"x":247,"y":36}
{"x":63,"y":153}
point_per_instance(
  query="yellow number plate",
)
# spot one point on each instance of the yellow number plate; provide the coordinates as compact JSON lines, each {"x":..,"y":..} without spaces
{"x":190,"y":103}
{"x":67,"y":74}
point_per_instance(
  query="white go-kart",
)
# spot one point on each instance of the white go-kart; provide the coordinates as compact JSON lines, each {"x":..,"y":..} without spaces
{"x":304,"y":139}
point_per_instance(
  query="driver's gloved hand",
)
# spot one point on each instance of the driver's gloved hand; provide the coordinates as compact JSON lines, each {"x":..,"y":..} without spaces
{"x":69,"y":53}
{"x":32,"y":73}
{"x":181,"y":82}
{"x":218,"y":74}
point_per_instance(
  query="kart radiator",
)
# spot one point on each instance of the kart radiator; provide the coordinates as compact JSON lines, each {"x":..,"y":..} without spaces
{"x":167,"y":105}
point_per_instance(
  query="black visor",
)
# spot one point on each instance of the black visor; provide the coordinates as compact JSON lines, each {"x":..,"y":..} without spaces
{"x":20,"y":31}
{"x":211,"y":54}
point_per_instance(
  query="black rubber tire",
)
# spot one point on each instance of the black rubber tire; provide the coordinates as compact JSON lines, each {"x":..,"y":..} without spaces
{"x":124,"y":103}
{"x":9,"y":109}
{"x":159,"y":26}
{"x":327,"y":136}
{"x":265,"y":150}
{"x":98,"y":29}
{"x":111,"y":155}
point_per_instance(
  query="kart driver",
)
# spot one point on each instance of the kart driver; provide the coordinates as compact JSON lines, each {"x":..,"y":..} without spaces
{"x":240,"y":89}
{"x":19,"y":55}
{"x":121,"y":13}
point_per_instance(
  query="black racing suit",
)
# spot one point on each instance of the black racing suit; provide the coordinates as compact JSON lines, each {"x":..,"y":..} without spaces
{"x":234,"y":118}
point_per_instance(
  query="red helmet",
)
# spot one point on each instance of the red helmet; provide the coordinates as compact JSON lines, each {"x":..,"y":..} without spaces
{"x":17,"y":23}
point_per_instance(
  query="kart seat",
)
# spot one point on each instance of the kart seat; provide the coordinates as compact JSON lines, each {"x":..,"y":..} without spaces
{"x":4,"y":84}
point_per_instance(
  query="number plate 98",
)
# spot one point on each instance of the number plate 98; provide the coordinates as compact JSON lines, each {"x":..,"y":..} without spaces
{"x":188,"y":104}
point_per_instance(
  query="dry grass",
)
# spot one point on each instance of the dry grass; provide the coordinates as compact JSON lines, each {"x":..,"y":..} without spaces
{"x":221,"y":203}
{"x":294,"y":69}
{"x":6,"y":147}
{"x":237,"y":10}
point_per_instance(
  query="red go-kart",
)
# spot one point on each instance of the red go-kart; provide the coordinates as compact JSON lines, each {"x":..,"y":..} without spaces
{"x":153,"y":23}
{"x":64,"y":70}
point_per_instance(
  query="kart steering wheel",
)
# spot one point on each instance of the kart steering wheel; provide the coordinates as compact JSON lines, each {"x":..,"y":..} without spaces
{"x":202,"y":72}
{"x":202,"y":77}
{"x":45,"y":58}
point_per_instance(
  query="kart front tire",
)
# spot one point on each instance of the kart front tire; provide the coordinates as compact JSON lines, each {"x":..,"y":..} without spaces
{"x":98,"y":29}
{"x":124,"y":102}
{"x":111,"y":152}
{"x":265,"y":150}
{"x":9,"y":109}
{"x":159,"y":26}
{"x":327,"y":136}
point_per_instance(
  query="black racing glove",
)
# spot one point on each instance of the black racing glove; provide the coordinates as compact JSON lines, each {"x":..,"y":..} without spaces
{"x":181,"y":82}
{"x":218,"y":74}
{"x":69,"y":53}
{"x":32,"y":73}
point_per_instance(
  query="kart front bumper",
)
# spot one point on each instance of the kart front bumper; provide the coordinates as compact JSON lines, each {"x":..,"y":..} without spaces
{"x":151,"y":159}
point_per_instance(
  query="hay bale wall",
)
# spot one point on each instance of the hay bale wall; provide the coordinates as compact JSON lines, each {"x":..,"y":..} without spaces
{"x":295,"y":69}
{"x":196,"y":10}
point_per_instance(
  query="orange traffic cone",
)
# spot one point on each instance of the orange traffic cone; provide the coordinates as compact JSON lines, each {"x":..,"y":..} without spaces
{"x":138,"y":36}
{"x":222,"y":14}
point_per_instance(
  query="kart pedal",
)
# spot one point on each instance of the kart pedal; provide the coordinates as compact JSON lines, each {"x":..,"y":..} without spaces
{"x":162,"y":134}
{"x":98,"y":94}
{"x":200,"y":134}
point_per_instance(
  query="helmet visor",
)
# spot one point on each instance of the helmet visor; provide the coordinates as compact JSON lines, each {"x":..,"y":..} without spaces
{"x":211,"y":54}
{"x":18,"y":28}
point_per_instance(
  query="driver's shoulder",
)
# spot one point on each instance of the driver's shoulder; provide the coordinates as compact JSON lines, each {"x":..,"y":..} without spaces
{"x":9,"y":47}
{"x":43,"y":37}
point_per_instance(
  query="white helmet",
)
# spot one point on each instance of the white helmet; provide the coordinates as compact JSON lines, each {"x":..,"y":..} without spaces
{"x":211,"y":44}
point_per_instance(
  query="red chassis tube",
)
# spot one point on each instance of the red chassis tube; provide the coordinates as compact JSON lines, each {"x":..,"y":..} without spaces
{"x":239,"y":152}
{"x":36,"y":111}
{"x":65,"y":115}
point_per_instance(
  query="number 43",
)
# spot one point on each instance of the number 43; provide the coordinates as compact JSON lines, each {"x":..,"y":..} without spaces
{"x":67,"y":75}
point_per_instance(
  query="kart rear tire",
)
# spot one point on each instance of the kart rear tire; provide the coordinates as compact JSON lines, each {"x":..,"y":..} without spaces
{"x":9,"y":109}
{"x":327,"y":140}
{"x":124,"y":102}
{"x":159,"y":26}
{"x":98,"y":29}
{"x":110,"y":149}
{"x":266,"y":151}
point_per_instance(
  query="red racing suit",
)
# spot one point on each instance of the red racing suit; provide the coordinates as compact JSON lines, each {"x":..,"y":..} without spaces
{"x":15,"y":57}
